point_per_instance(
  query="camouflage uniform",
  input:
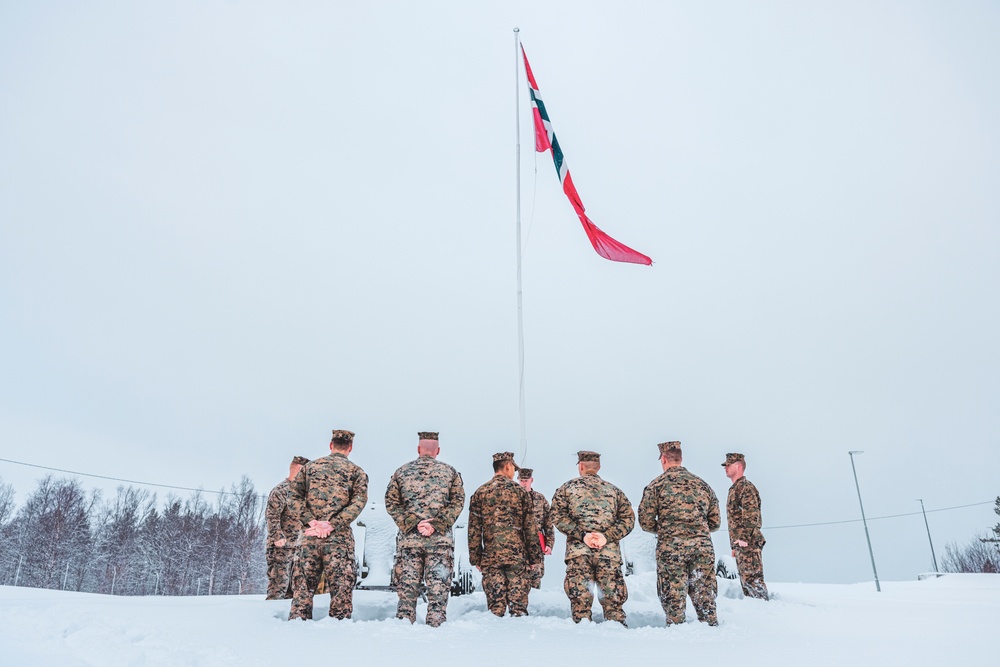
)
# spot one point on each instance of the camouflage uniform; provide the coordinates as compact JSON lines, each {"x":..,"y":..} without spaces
{"x":683,"y":510}
{"x":743,"y":517}
{"x":589,"y":504}
{"x":425,"y":488}
{"x":333,"y":489}
{"x":281,"y":525}
{"x":503,"y":542}
{"x":543,"y":526}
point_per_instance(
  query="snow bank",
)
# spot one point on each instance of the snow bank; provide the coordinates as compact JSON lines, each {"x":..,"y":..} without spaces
{"x":950,"y":620}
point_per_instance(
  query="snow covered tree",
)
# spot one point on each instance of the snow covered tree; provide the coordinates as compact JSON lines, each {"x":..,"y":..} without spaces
{"x":64,"y":538}
{"x":6,"y":551}
{"x":51,"y":534}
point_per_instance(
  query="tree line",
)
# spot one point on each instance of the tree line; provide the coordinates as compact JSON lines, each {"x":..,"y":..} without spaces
{"x":980,"y":554}
{"x":64,"y":537}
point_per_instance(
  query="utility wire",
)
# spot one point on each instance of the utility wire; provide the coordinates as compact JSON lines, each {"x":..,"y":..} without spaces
{"x":875,"y":518}
{"x":119,"y":479}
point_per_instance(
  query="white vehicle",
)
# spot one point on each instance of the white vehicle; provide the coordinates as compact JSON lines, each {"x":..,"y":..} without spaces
{"x":375,"y":538}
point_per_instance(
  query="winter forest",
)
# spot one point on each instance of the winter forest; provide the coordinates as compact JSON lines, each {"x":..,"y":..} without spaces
{"x":65,"y":537}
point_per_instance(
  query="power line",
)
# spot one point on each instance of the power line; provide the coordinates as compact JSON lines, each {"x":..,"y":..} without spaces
{"x":119,"y":479}
{"x":875,"y":518}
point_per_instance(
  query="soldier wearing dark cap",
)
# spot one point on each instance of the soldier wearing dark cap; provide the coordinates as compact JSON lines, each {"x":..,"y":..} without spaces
{"x":683,"y":511}
{"x":743,"y":517}
{"x":543,"y":523}
{"x":282,"y":534}
{"x":327,"y":495}
{"x":503,"y":543}
{"x":424,"y":498}
{"x":594,"y":515}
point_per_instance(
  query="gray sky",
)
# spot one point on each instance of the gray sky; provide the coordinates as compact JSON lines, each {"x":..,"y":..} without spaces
{"x":228,"y":227}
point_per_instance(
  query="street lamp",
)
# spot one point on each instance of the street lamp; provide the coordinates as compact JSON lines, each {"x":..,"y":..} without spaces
{"x":927,"y":525}
{"x":871,"y":553}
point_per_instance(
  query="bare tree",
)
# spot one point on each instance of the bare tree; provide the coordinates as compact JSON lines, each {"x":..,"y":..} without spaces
{"x":63,"y":538}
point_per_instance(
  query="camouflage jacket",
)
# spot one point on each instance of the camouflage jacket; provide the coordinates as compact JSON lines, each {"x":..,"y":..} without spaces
{"x":589,"y":504}
{"x":281,"y":522}
{"x":502,"y":525}
{"x":743,"y":514}
{"x":543,"y":518}
{"x":425,"y":488}
{"x":679,"y":507}
{"x":331,"y":488}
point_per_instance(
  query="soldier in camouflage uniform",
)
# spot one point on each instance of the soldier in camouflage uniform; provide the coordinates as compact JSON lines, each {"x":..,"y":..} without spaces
{"x":327,"y":495}
{"x":594,"y":515}
{"x":282,"y":535}
{"x":745,"y":538}
{"x":424,"y":498}
{"x":682,"y":510}
{"x":543,"y":523}
{"x":503,"y":542}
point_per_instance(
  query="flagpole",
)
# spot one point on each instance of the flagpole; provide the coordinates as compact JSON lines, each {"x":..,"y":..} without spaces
{"x":517,"y":171}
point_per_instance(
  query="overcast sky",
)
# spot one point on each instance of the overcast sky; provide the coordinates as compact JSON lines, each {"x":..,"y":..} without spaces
{"x":229,"y":227}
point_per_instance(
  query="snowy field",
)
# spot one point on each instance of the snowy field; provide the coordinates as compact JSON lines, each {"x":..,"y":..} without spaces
{"x":950,"y":620}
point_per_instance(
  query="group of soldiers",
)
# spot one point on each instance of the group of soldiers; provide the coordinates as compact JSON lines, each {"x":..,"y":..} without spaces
{"x":510,"y":531}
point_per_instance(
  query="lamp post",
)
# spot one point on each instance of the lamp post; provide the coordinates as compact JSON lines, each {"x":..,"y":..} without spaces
{"x":928,"y":527}
{"x":871,"y":553}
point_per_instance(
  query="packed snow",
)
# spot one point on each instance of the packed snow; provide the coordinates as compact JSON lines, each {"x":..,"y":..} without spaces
{"x":946,"y":620}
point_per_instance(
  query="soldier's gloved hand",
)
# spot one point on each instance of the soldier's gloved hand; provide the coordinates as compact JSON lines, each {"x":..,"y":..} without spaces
{"x":547,"y":551}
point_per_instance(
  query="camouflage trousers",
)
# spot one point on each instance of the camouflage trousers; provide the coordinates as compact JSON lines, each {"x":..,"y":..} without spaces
{"x":506,"y":587}
{"x":751,"y":568}
{"x":536,"y":574}
{"x":687,"y":569}
{"x":279,"y":572}
{"x":606,"y":573}
{"x":433,"y":567}
{"x":332,"y":557}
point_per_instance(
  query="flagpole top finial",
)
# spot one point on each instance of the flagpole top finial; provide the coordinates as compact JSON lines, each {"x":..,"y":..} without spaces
{"x":517,"y":30}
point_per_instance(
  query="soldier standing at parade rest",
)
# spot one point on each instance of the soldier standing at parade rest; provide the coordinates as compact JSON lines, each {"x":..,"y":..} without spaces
{"x":503,"y":542}
{"x":682,"y":510}
{"x":594,"y":515}
{"x":327,"y":495}
{"x":543,"y":523}
{"x":743,"y":517}
{"x":282,"y":533}
{"x":424,"y":498}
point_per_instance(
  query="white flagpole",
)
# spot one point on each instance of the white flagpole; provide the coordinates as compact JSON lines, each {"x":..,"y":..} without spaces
{"x":520,"y":314}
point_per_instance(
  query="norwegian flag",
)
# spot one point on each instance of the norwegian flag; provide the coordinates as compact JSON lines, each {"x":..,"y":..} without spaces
{"x":545,"y":139}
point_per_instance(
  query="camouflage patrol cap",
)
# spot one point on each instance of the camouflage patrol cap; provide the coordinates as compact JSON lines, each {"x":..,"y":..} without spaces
{"x":525,"y":473}
{"x":299,"y":461}
{"x":342,"y":435}
{"x":587,"y":456}
{"x":665,"y":447}
{"x":734,"y":458}
{"x":505,"y":456}
{"x":428,"y":435}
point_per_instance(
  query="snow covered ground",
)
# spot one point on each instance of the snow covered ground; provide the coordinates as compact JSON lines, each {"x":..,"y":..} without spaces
{"x":950,"y":620}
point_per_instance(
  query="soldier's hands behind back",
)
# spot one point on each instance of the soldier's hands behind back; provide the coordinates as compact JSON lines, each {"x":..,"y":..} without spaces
{"x":318,"y":529}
